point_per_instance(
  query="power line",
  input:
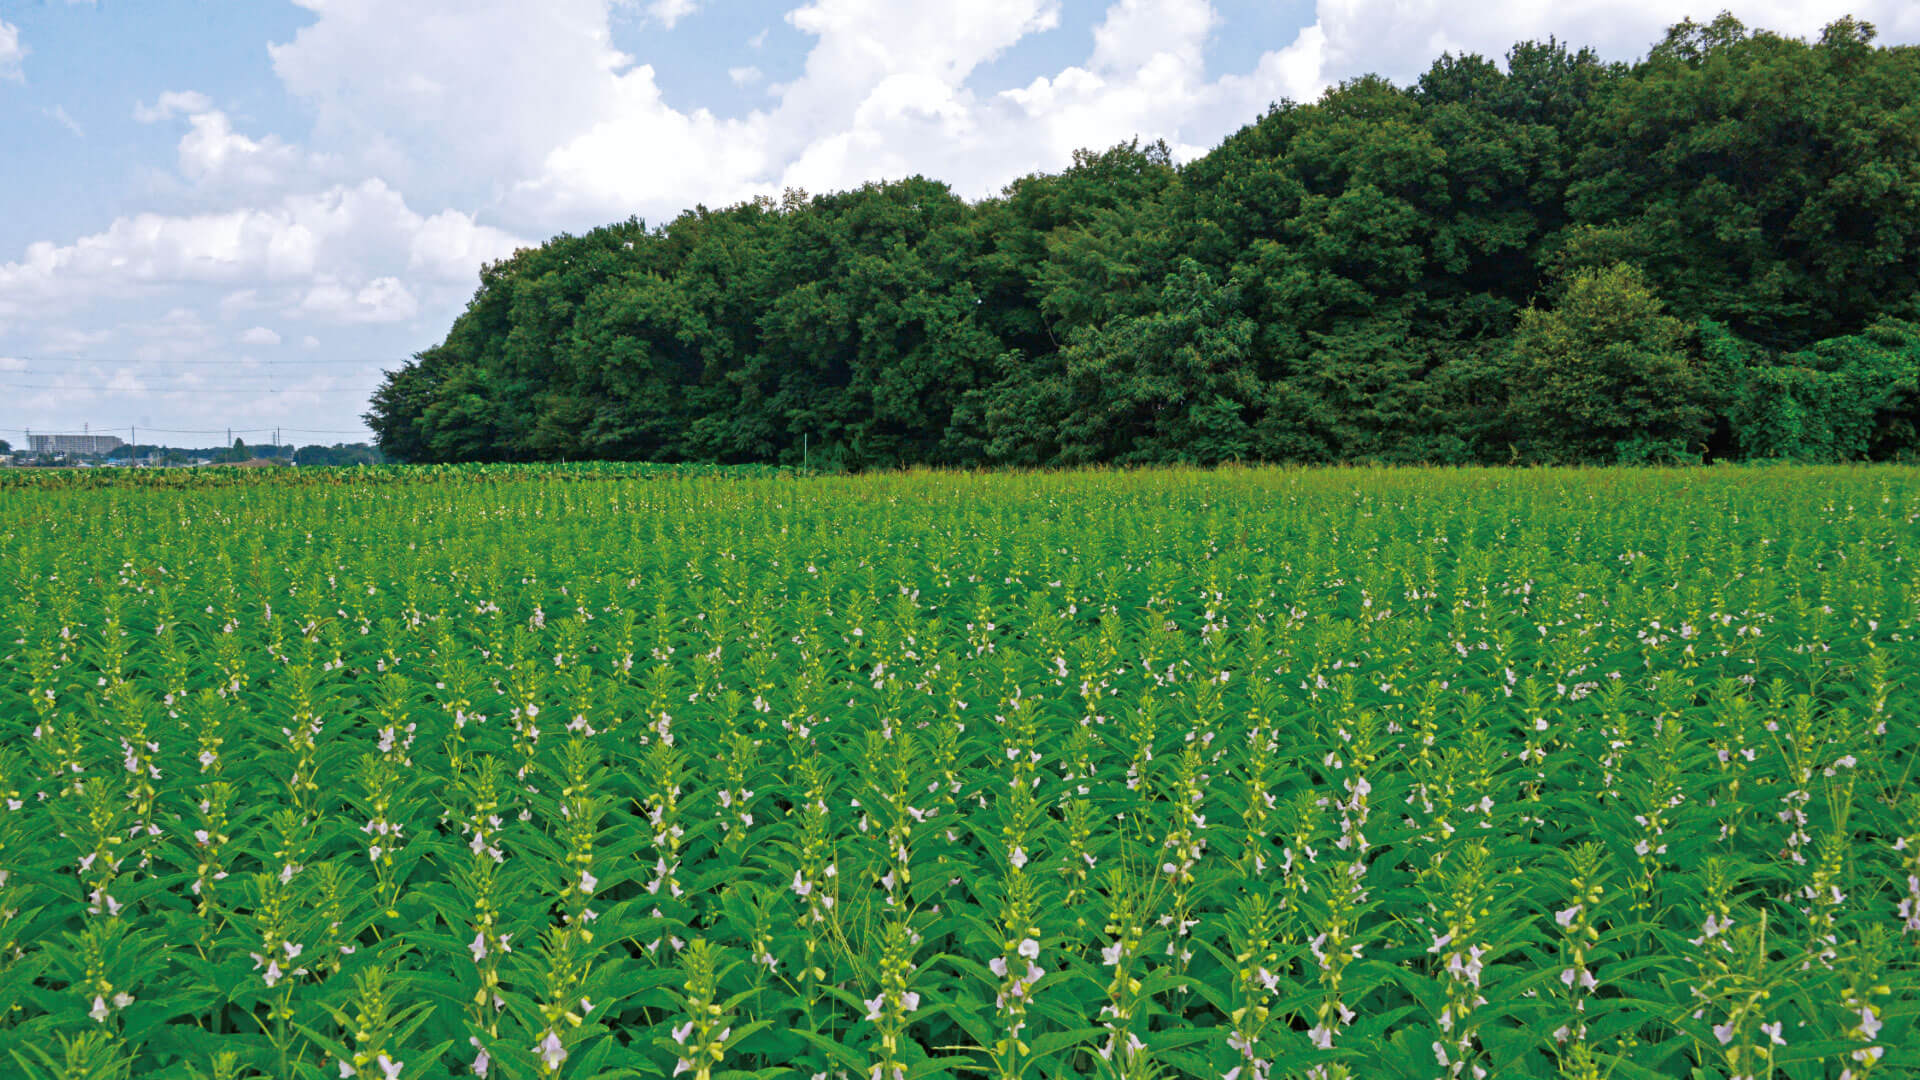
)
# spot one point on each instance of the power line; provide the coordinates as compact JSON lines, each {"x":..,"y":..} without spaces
{"x":195,"y":388}
{"x":110,"y":429}
{"x":87,"y":358}
{"x":183,"y":360}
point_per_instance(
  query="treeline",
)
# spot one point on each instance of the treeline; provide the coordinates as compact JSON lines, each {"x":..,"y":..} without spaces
{"x":1711,"y":253}
{"x":314,"y":454}
{"x":339,"y":454}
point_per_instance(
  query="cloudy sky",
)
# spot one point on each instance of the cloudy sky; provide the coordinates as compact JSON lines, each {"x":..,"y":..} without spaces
{"x":236,"y":213}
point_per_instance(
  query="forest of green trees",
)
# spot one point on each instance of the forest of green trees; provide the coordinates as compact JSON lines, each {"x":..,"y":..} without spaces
{"x":1713,"y":253}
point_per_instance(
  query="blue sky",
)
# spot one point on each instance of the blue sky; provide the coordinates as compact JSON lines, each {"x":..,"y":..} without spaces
{"x":236,"y":213}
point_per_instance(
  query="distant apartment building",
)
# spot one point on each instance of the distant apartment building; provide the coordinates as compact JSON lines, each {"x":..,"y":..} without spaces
{"x":75,"y":444}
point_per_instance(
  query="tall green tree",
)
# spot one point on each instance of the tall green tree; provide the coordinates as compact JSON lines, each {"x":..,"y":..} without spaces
{"x":1770,"y":183}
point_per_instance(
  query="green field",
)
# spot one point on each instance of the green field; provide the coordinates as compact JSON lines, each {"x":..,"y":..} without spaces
{"x":599,"y":772}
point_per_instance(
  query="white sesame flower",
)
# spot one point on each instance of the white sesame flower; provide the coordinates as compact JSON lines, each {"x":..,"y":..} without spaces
{"x":551,"y":1052}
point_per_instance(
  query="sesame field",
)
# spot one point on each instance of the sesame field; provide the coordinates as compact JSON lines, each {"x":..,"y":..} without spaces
{"x":530,"y":772}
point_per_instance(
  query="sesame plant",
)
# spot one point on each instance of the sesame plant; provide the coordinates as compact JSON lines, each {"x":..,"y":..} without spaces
{"x":529,"y":772}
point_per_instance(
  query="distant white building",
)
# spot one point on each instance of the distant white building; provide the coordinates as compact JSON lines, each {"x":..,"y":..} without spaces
{"x":75,"y":444}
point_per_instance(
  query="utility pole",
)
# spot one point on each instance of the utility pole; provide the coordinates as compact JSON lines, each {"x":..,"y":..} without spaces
{"x":133,"y":445}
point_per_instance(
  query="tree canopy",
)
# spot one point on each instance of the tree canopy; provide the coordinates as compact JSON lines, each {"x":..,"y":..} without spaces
{"x":1712,"y":252}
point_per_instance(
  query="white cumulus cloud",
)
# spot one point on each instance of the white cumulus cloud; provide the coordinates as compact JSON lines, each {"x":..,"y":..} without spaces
{"x":451,"y":245}
{"x":644,"y":155}
{"x":346,"y":235}
{"x":1145,"y":75}
{"x":171,"y":103}
{"x":381,"y":300}
{"x":11,"y":52}
{"x":1401,"y":38}
{"x":213,"y":154}
{"x":668,"y":12}
{"x":430,"y":93}
{"x":259,"y":335}
{"x":59,"y":115}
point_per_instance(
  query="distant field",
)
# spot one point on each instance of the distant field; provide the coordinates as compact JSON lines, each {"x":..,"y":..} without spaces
{"x":614,"y":771}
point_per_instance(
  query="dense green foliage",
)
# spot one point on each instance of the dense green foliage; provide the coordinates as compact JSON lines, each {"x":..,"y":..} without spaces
{"x":1713,"y":252}
{"x":622,"y":771}
{"x":339,"y":454}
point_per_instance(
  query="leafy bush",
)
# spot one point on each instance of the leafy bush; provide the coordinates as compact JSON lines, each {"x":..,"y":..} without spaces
{"x":1605,"y":375}
{"x":1841,"y":400}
